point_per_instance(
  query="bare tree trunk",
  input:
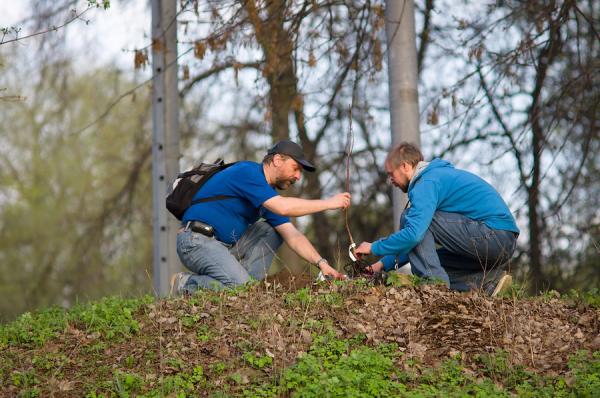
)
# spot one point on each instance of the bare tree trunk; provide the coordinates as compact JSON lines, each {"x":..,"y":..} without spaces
{"x":546,"y":57}
{"x":285,"y":100}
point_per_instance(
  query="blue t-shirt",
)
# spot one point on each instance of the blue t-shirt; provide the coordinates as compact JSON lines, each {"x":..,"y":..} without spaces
{"x":246,"y":185}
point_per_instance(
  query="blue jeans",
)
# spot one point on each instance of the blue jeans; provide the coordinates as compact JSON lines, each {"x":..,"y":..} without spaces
{"x":216,"y":265}
{"x":472,"y":255}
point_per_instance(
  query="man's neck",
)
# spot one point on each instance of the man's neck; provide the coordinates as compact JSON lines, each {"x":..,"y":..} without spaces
{"x":269,"y":171}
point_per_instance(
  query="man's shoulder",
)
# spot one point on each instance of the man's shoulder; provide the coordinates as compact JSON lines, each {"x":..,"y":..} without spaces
{"x":245,"y":167}
{"x":246,"y":173}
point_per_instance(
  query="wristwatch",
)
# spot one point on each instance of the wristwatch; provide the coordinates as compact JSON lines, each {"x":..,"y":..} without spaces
{"x":321,"y":260}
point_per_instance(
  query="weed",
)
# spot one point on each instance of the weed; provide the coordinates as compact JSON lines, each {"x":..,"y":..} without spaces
{"x":253,"y":323}
{"x":497,"y":366}
{"x":33,"y":329}
{"x":398,"y":279}
{"x":130,"y":361}
{"x":175,"y":363}
{"x":127,"y":384}
{"x":111,"y":317}
{"x":299,"y":298}
{"x":586,"y":370}
{"x":332,"y":299}
{"x":197,"y":375}
{"x":257,"y":361}
{"x":549,"y":295}
{"x":24,"y":379}
{"x":235,"y":378}
{"x":218,"y":368}
{"x":204,"y":334}
{"x":49,"y":361}
{"x":190,"y":320}
{"x":325,"y":371}
{"x":96,"y":348}
{"x":591,"y":297}
{"x":182,"y":384}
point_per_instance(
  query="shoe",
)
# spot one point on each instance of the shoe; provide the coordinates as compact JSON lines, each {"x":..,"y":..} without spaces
{"x":503,"y":285}
{"x":178,"y":281}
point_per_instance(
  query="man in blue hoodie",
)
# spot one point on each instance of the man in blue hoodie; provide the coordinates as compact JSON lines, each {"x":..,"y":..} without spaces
{"x":456,"y":228}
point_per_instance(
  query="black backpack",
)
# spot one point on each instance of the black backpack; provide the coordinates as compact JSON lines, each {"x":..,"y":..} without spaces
{"x":180,"y":198}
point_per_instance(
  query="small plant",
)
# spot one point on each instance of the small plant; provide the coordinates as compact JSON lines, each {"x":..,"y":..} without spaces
{"x":398,"y":279}
{"x":590,"y":297}
{"x":197,"y":375}
{"x":189,"y":321}
{"x":203,"y":334}
{"x":127,"y":384}
{"x":236,"y":378}
{"x":218,"y":368}
{"x":176,"y":363}
{"x":300,"y":298}
{"x":33,"y":329}
{"x":112,"y":317}
{"x":332,"y":299}
{"x":257,"y":361}
{"x":130,"y":361}
{"x":328,"y":372}
{"x":49,"y":361}
{"x":586,"y":370}
{"x":497,"y":366}
{"x":24,"y":380}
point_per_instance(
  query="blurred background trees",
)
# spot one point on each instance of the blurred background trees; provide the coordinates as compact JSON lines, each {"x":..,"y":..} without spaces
{"x":508,"y":90}
{"x":523,"y":104}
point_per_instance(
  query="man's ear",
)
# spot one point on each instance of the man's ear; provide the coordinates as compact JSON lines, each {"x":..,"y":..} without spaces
{"x":277,"y":158}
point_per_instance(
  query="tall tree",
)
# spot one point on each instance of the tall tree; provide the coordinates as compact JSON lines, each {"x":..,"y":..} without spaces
{"x":313,"y":60}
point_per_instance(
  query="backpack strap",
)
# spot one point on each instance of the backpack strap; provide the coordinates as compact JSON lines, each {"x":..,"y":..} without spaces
{"x":222,"y":165}
{"x":211,"y":199}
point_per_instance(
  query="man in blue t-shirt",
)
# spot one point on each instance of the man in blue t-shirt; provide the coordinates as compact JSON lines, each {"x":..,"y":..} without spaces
{"x":456,"y":228}
{"x":227,"y":241}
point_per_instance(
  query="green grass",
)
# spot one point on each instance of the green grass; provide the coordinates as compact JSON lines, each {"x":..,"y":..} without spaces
{"x":111,"y":317}
{"x":344,"y":368}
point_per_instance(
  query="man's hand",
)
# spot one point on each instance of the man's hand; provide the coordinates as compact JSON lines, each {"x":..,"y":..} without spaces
{"x":328,"y":270}
{"x":377,"y":267}
{"x":339,"y":201}
{"x":363,"y":249}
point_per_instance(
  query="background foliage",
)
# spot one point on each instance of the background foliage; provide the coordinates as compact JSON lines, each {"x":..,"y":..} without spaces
{"x":507,"y":90}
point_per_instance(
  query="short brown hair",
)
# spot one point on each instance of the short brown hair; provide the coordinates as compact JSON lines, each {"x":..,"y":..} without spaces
{"x":404,"y":152}
{"x":268,"y":159}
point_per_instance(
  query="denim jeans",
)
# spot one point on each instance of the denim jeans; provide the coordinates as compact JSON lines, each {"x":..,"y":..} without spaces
{"x":216,"y":265}
{"x":472,"y":255}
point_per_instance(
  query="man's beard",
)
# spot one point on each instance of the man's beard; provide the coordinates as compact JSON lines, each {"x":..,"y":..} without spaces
{"x":284,"y":184}
{"x":403,"y":188}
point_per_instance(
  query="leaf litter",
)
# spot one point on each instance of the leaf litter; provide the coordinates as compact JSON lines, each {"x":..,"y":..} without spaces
{"x":229,"y":334}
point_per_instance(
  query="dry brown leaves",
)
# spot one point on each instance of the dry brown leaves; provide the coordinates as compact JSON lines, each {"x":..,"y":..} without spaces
{"x":428,"y":323}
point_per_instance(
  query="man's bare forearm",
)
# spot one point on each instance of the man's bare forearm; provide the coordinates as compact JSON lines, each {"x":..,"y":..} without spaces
{"x":296,"y":207}
{"x":302,"y":246}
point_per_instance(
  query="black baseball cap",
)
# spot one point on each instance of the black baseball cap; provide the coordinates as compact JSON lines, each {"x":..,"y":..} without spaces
{"x":292,"y":150}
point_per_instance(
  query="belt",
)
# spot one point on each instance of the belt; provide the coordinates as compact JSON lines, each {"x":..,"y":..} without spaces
{"x":199,"y":227}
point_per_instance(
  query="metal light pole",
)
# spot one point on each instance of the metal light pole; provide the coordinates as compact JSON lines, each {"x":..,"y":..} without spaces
{"x":165,"y":139}
{"x":402,"y":69}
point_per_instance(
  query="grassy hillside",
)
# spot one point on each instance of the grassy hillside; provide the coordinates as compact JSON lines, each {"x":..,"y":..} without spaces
{"x":331,"y":340}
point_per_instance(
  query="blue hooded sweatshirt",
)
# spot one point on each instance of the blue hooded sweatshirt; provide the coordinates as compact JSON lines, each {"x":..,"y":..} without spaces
{"x":441,"y":187}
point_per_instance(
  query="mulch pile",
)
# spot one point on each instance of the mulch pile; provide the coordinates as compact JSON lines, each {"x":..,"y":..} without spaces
{"x":428,"y":323}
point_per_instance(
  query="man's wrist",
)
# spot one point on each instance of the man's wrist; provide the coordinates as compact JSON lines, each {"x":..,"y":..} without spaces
{"x":321,"y":261}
